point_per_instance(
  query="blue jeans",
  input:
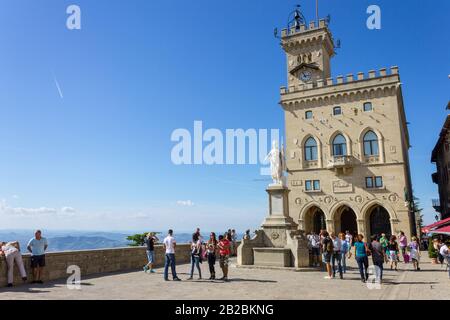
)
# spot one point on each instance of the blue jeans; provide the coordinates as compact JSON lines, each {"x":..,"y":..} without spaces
{"x":336,"y":256}
{"x":195,"y":261}
{"x":378,"y":269}
{"x":363,"y":264}
{"x":170,"y":260}
{"x":150,"y":256}
{"x":344,"y":261}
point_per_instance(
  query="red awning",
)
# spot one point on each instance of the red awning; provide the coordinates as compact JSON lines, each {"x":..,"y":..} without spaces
{"x":443,"y":230}
{"x":435,"y":225}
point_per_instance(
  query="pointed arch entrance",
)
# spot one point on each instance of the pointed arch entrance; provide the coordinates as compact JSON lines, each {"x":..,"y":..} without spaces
{"x":345,"y":220}
{"x":315,"y":220}
{"x":379,"y":221}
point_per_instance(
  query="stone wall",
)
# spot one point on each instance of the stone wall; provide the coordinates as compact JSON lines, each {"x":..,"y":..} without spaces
{"x":94,"y":262}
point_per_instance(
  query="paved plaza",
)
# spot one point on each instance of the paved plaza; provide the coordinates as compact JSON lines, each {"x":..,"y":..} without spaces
{"x":430,"y":283}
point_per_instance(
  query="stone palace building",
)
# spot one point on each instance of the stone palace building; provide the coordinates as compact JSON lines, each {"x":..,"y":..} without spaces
{"x":346,"y":141}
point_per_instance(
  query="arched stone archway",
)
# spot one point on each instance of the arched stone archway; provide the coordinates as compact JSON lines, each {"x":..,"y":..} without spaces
{"x":345,"y":219}
{"x":314,"y":219}
{"x":379,"y":221}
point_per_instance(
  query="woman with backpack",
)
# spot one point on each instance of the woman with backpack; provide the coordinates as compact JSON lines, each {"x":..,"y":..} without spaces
{"x":196,"y":253}
{"x":211,"y":248}
{"x":361,"y":255}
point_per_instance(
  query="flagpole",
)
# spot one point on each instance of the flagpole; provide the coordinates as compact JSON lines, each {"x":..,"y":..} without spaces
{"x":317,"y":12}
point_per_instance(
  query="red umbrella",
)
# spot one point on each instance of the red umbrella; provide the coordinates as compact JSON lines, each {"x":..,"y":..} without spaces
{"x":443,"y":230}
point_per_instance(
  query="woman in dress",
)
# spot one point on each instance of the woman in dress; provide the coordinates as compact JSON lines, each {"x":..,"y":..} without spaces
{"x":414,"y":252}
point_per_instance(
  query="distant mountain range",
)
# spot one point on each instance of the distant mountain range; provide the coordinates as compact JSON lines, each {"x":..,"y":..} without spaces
{"x":82,"y":240}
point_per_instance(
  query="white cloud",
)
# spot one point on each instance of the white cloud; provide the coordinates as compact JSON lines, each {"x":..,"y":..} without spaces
{"x":30,"y":211}
{"x":15,"y":197}
{"x":39,"y":211}
{"x":140,"y":215}
{"x":185,"y":203}
{"x":68,"y":210}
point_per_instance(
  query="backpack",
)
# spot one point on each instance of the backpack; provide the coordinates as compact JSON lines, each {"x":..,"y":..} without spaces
{"x":329,"y":246}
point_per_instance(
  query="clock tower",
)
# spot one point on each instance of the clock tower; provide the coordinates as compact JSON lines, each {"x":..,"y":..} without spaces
{"x":308,"y":51}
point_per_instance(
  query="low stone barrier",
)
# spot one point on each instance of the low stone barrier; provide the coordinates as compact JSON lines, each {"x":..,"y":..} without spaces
{"x":94,"y":262}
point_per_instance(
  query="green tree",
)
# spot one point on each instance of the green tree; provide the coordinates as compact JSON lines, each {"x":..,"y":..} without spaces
{"x":137,"y":240}
{"x":418,"y":214}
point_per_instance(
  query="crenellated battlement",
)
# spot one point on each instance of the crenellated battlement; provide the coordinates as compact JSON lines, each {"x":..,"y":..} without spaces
{"x":303,"y":28}
{"x":339,"y":80}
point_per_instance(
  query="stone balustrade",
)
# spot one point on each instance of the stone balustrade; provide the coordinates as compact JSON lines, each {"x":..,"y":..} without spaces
{"x":94,"y":262}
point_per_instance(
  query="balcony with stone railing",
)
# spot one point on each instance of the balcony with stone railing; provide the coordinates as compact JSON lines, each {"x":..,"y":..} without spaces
{"x":372,"y":159}
{"x":341,"y":163}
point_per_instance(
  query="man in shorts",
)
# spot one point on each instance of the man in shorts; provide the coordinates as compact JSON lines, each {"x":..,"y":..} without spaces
{"x":37,"y":246}
{"x":327,"y":250}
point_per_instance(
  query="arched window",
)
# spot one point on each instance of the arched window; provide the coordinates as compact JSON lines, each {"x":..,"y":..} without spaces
{"x":310,"y":149}
{"x":370,"y":144}
{"x":339,"y":146}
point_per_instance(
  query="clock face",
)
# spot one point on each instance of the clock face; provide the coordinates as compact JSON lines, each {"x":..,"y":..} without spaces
{"x":305,"y":75}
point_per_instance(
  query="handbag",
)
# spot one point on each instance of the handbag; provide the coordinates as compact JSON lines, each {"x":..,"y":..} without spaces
{"x":368,"y":252}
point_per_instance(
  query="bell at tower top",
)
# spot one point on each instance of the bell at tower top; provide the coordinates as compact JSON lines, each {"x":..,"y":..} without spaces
{"x":308,"y":47}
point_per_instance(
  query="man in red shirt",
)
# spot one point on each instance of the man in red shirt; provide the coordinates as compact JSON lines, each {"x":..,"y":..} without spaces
{"x":224,"y":256}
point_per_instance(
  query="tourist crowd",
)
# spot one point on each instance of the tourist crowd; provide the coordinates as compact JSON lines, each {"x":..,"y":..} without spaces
{"x":222,"y":247}
{"x":327,"y":250}
{"x":332,"y":251}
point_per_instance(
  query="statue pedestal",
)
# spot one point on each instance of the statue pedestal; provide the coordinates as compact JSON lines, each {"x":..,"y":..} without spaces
{"x":278,"y":243}
{"x":278,"y":219}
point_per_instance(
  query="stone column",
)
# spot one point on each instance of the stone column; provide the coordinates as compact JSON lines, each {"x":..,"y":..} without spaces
{"x":330,"y":226}
{"x":362,"y":227}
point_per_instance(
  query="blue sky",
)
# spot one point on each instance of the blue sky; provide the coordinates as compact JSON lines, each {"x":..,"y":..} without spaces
{"x":99,"y":158}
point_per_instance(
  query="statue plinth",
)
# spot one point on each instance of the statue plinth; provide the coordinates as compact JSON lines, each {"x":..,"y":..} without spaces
{"x":278,"y":219}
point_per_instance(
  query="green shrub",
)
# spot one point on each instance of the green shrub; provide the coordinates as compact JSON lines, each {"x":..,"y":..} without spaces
{"x":432,"y":252}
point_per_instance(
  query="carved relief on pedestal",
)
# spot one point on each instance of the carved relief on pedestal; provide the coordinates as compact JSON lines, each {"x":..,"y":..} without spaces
{"x":274,"y":236}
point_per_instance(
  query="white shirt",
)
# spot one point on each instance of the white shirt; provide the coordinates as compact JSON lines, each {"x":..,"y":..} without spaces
{"x":315,"y":241}
{"x":348,"y":238}
{"x":337,"y":244}
{"x":8,"y":249}
{"x":169,"y":243}
{"x":444,"y":251}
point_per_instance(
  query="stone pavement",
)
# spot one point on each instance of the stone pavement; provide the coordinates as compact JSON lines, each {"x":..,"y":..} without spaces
{"x":431,"y":282}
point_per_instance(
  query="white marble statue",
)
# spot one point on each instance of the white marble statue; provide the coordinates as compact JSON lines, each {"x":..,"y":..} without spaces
{"x":277,"y":163}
